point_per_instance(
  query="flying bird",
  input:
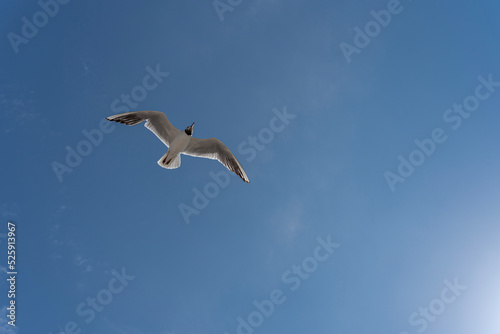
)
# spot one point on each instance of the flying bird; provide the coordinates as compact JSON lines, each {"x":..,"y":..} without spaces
{"x":181,"y":142}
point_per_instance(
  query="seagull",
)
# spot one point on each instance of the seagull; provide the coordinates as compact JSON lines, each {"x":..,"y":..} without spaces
{"x":181,"y":142}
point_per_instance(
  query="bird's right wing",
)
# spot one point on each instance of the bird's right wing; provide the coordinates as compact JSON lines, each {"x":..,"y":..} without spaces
{"x":157,"y":122}
{"x":213,"y":148}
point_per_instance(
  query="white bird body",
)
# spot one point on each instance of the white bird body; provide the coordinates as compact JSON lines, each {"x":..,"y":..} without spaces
{"x":178,"y":145}
{"x":181,"y":142}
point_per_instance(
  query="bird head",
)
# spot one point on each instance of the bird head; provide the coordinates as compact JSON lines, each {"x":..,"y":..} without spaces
{"x":189,"y":130}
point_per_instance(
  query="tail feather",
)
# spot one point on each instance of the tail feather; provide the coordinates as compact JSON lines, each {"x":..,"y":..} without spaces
{"x":170,"y":162}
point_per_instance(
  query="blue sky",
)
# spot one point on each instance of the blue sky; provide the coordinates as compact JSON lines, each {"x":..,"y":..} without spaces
{"x":420,"y":255}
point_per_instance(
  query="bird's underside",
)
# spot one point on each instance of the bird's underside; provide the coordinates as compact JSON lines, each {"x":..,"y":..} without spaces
{"x":181,"y":142}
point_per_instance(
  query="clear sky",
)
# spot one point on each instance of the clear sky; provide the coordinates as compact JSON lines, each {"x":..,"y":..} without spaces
{"x":368,"y":129}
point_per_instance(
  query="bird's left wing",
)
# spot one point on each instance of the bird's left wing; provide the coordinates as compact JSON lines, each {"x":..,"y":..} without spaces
{"x":157,"y":122}
{"x":213,"y":148}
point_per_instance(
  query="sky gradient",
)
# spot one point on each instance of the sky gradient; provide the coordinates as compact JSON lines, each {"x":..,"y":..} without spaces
{"x":373,"y":198}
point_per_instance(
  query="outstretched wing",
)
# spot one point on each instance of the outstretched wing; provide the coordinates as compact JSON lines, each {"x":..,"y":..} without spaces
{"x":157,"y":122}
{"x":213,"y":148}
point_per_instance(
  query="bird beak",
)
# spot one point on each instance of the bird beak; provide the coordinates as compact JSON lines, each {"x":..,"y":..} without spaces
{"x":192,"y":124}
